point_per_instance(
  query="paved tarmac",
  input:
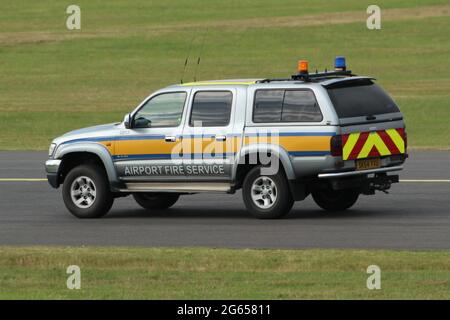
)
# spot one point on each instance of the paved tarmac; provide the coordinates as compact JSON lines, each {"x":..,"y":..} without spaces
{"x":415,"y":215}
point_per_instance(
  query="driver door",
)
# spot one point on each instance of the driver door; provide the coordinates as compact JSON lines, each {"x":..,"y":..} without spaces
{"x":151,"y":149}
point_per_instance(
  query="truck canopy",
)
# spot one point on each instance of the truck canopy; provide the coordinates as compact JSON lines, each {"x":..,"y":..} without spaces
{"x":360,"y":98}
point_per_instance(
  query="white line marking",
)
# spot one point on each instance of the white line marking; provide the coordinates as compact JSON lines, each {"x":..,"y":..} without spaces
{"x":401,"y":180}
{"x":424,"y":180}
{"x":21,"y":180}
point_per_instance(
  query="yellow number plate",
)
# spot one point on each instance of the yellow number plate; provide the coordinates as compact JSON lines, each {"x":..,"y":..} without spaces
{"x":368,"y":164}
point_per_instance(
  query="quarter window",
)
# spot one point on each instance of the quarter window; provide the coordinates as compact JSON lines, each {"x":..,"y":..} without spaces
{"x":212,"y":108}
{"x":286,"y":106}
{"x":164,"y":110}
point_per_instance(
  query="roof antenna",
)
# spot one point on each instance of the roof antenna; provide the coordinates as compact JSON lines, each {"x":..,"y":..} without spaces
{"x":200,"y":53}
{"x":187,"y":57}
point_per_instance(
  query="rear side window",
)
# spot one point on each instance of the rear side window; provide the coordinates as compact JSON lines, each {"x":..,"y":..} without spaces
{"x":212,"y":108}
{"x":361,"y":99}
{"x":286,"y":106}
{"x":300,"y":106}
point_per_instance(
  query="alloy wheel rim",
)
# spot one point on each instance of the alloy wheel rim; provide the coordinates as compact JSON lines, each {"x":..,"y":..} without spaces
{"x":264,"y":192}
{"x":83,"y":192}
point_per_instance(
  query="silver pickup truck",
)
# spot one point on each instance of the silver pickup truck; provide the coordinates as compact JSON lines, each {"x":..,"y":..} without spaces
{"x":333,"y":135}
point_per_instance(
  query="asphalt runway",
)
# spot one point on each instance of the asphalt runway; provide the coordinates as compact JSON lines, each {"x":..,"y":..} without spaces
{"x":415,"y":215}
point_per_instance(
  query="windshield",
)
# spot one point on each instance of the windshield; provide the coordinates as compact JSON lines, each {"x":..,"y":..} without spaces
{"x":360,"y":99}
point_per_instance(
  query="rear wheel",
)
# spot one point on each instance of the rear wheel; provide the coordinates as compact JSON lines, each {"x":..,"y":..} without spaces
{"x":86,"y":192}
{"x":156,"y":201}
{"x":266,"y":196}
{"x":335,"y":200}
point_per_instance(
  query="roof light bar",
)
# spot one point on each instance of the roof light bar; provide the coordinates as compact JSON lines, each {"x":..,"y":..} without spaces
{"x":302,"y":66}
{"x":339,"y":63}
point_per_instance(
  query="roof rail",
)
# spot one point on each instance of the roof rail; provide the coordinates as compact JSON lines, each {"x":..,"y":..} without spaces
{"x":313,"y":77}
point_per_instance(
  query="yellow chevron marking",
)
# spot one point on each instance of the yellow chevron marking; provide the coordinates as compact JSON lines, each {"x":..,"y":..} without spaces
{"x":397,"y":139}
{"x":349,"y":145}
{"x":374,"y":140}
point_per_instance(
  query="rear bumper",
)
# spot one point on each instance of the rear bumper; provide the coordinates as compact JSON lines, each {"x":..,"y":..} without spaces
{"x":380,"y":181}
{"x":356,"y":173}
{"x":52,"y":169}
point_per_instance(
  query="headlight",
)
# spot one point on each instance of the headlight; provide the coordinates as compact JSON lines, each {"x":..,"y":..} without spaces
{"x":51,"y":149}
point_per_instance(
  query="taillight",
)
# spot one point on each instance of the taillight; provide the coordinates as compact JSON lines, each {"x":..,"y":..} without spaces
{"x":336,"y":146}
{"x":405,"y":138}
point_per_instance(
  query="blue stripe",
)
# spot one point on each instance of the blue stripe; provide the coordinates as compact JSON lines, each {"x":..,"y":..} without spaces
{"x":146,"y":137}
{"x":116,"y":138}
{"x":162,"y":137}
{"x":293,"y":134}
{"x":209,"y":156}
{"x":87,"y":139}
{"x":308,"y":153}
{"x":307,"y":134}
{"x":168,"y":156}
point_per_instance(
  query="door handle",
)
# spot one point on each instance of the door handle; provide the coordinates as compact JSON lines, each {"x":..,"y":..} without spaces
{"x":170,"y":138}
{"x":221,"y":138}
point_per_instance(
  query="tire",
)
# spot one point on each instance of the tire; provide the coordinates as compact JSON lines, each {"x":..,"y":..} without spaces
{"x":275,"y":189}
{"x":335,"y":200}
{"x":87,"y":181}
{"x":156,"y":201}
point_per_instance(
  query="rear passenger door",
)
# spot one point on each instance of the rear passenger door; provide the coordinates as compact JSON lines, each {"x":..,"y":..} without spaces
{"x":208,"y":143}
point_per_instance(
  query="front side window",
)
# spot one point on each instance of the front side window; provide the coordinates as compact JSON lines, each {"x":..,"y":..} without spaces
{"x":281,"y":105}
{"x":163,"y":110}
{"x":212,"y":108}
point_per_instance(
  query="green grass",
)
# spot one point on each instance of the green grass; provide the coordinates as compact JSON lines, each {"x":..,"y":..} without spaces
{"x":187,"y":273}
{"x":54,"y":80}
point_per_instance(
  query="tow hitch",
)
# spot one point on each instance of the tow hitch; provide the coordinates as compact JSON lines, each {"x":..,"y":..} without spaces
{"x":381,"y":182}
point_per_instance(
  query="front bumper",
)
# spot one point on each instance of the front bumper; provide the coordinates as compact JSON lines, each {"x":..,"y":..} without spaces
{"x":356,"y":173}
{"x":52,"y":169}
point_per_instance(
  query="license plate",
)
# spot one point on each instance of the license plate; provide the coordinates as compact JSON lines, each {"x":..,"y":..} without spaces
{"x":368,"y":164}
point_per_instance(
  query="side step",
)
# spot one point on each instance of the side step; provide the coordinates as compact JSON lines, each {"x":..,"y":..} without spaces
{"x":177,"y":187}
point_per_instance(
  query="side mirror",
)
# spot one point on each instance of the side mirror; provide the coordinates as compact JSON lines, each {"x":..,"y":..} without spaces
{"x":127,"y":121}
{"x":142,"y":122}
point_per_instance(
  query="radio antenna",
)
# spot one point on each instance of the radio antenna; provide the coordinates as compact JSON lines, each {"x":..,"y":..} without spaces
{"x":186,"y":61}
{"x":200,"y":53}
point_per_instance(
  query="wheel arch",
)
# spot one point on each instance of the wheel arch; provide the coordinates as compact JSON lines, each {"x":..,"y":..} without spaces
{"x":297,"y":187}
{"x":81,"y":153}
{"x":276,"y":153}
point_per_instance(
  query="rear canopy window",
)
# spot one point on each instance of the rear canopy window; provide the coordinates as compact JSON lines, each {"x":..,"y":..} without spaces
{"x":286,"y":106}
{"x":360,"y":99}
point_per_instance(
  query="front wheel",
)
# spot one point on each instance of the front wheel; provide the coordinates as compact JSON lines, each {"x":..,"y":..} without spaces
{"x":156,"y":201}
{"x":86,"y":192}
{"x":335,"y":200}
{"x":266,"y":196}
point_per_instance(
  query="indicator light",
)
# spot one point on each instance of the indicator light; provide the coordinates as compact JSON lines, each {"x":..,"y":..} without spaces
{"x":302,"y":66}
{"x":339,"y":63}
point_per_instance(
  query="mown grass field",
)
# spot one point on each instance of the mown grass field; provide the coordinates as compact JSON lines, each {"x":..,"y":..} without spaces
{"x":187,"y":273}
{"x":53,"y":80}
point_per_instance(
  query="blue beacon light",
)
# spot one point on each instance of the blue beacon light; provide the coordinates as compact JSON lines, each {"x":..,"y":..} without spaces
{"x":339,"y":63}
